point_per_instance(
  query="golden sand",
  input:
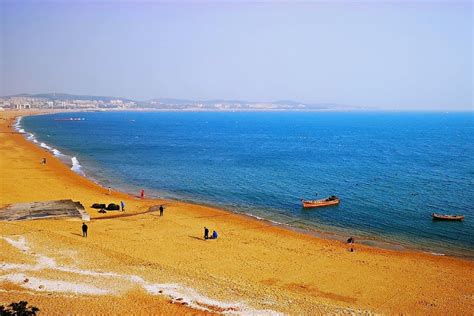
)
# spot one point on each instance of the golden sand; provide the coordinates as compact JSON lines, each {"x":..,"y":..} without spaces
{"x":127,"y":260}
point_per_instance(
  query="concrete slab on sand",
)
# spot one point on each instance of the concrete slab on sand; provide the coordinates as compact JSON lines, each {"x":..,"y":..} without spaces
{"x":46,"y":209}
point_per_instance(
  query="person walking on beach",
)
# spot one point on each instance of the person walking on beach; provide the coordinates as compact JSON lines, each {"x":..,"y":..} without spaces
{"x":122,"y":205}
{"x":351,"y":241}
{"x":43,"y":161}
{"x":206,"y":233}
{"x":84,"y":230}
{"x":142,"y":194}
{"x":109,"y":190}
{"x":161,"y":210}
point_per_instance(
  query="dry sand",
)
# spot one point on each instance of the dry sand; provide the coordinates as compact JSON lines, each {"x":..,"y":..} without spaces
{"x":146,"y":264}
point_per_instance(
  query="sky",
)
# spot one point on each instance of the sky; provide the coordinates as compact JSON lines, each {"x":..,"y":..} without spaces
{"x":387,"y":55}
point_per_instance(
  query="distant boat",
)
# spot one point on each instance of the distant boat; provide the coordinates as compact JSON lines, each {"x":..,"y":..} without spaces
{"x":332,"y":200}
{"x":71,"y":119}
{"x":445,"y":217}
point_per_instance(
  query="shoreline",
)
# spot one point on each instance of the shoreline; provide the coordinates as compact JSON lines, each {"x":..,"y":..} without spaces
{"x":269,"y":267}
{"x":324,"y":232}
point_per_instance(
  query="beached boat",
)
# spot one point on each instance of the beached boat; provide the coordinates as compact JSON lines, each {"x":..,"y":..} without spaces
{"x":332,"y":200}
{"x":445,"y":217}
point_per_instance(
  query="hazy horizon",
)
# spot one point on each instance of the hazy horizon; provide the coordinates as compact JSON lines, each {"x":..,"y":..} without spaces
{"x":388,"y":56}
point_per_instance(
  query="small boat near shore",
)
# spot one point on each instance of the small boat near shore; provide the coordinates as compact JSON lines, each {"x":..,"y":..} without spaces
{"x":330,"y":201}
{"x":446,"y":217}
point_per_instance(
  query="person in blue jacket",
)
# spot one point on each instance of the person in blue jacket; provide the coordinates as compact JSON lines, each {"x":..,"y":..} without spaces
{"x":214,"y":235}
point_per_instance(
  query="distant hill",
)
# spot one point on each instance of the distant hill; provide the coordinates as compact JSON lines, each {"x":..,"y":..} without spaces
{"x":66,"y":96}
{"x":170,"y":101}
{"x":184,"y":104}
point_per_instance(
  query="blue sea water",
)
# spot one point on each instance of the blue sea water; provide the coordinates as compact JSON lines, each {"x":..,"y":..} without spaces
{"x":391,"y":170}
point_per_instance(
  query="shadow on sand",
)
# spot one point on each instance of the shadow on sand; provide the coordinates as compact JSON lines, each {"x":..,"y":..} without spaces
{"x":198,"y":238}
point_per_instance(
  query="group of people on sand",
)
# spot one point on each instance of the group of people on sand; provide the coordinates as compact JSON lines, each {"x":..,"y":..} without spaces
{"x":206,"y":234}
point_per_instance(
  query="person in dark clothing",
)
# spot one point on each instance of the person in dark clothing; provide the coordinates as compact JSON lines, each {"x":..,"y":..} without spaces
{"x":123,"y":206}
{"x":84,"y":230}
{"x":351,"y":241}
{"x":161,"y":210}
{"x":206,"y":233}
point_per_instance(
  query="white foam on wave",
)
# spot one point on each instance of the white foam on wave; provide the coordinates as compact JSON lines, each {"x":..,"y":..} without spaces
{"x":17,"y":123}
{"x":76,"y":166}
{"x":254,"y":216}
{"x":56,"y":152}
{"x":177,"y":293}
{"x":265,"y":219}
{"x":45,"y":146}
{"x":30,"y":137}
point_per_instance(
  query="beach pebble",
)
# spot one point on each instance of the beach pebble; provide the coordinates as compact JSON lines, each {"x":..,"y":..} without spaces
{"x":26,"y":280}
{"x":41,"y":287}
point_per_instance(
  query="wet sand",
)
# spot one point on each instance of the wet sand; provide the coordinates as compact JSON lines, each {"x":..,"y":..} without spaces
{"x":128,"y":258}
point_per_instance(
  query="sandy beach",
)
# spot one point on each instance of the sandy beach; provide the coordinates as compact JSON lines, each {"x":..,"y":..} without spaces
{"x":138,"y":262}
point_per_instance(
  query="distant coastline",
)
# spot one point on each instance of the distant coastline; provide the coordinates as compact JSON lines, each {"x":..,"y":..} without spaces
{"x":64,"y":101}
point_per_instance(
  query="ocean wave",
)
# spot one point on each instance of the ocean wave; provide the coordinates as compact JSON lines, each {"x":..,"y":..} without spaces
{"x":56,"y":152}
{"x":76,"y":166}
{"x":255,"y":216}
{"x":46,"y":146}
{"x":265,"y":219}
{"x":32,"y":137}
{"x":17,"y":123}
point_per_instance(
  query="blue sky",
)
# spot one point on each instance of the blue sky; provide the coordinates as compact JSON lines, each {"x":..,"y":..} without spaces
{"x":389,"y":55}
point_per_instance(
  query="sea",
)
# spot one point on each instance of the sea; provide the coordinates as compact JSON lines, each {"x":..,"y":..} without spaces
{"x":390,"y":170}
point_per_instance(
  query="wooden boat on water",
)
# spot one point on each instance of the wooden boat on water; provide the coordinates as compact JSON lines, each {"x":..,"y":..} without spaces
{"x":445,"y":217}
{"x":332,"y":200}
